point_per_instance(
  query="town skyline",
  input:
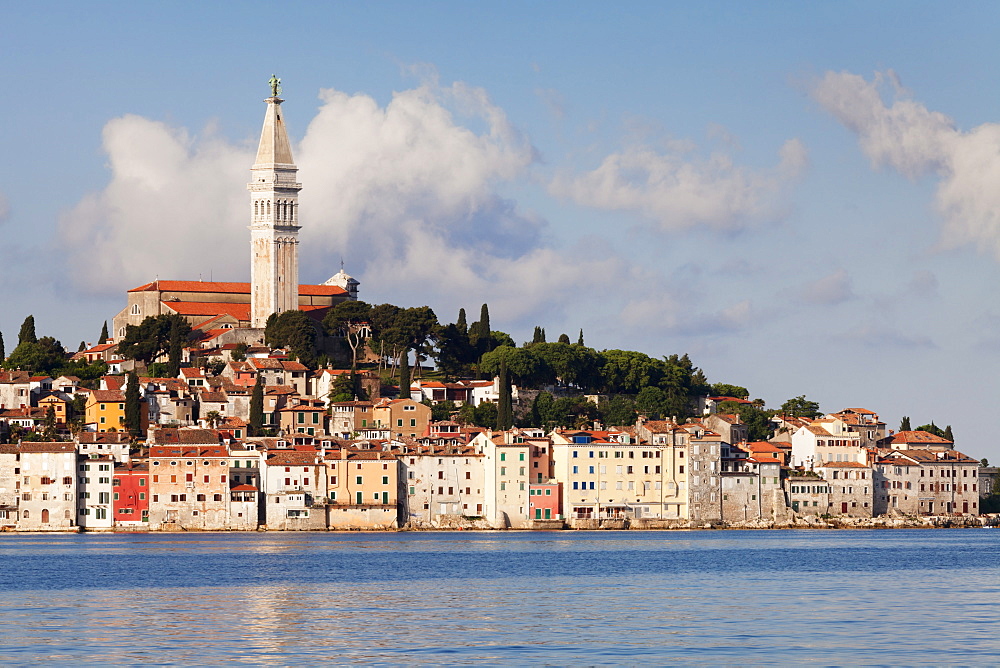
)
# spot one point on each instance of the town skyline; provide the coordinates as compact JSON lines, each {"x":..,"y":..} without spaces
{"x":785,"y":254}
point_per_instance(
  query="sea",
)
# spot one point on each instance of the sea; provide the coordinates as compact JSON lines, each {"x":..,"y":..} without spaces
{"x":824,"y":597}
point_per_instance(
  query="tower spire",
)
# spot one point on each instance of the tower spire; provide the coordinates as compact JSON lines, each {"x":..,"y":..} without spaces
{"x":274,"y":218}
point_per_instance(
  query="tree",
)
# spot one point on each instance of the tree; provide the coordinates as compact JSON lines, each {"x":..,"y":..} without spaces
{"x":295,"y":331}
{"x":257,"y":408}
{"x":904,"y":424}
{"x":104,"y":334}
{"x":42,"y":356}
{"x":239,"y":353}
{"x":27,"y":333}
{"x":619,"y":411}
{"x":627,"y":371}
{"x":727,"y":390}
{"x":3,"y":355}
{"x":454,"y":352}
{"x":579,"y":340}
{"x":404,"y":374}
{"x":931,"y":429}
{"x":213,"y":418}
{"x":800,"y":407}
{"x":538,"y":336}
{"x":152,"y":337}
{"x":520,"y":363}
{"x":651,"y":402}
{"x":505,"y":409}
{"x":49,"y":424}
{"x":349,"y":319}
{"x":133,"y":406}
{"x":564,"y":338}
{"x":175,"y":348}
{"x":479,"y":333}
{"x":460,"y":323}
{"x":81,"y":347}
{"x":948,"y":435}
{"x":757,"y":420}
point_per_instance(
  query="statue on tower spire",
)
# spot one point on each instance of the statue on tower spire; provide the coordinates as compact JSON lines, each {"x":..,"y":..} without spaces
{"x":275,"y":84}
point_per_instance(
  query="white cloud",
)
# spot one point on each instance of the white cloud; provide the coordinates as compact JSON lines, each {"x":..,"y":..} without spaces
{"x":678,"y":190}
{"x":175,"y":208}
{"x":898,"y":132}
{"x":829,"y":290}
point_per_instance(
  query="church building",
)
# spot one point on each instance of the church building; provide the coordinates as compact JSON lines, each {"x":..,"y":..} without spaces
{"x":274,"y":257}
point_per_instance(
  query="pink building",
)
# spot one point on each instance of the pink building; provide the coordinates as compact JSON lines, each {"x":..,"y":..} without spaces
{"x":545,"y":501}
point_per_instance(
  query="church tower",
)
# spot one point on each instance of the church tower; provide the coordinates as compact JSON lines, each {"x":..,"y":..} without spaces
{"x":274,"y":216}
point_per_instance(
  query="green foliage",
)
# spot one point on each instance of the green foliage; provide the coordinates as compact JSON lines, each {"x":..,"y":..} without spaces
{"x":175,"y":346}
{"x":343,"y":388}
{"x":480,"y":333}
{"x":505,"y":409}
{"x":931,"y":429}
{"x":81,"y":347}
{"x":42,"y":356}
{"x":727,"y":390}
{"x":404,"y":374}
{"x":454,"y":352}
{"x":295,"y":331}
{"x":564,"y":338}
{"x":239,"y":353}
{"x":521,"y":363}
{"x":213,"y":418}
{"x":800,"y":407}
{"x":579,"y":340}
{"x":904,"y":424}
{"x":151,"y":338}
{"x":538,"y":336}
{"x":460,"y":323}
{"x":575,"y":366}
{"x":652,"y":402}
{"x":757,"y":420}
{"x":549,"y":413}
{"x":620,"y":411}
{"x":49,"y":424}
{"x":345,"y":320}
{"x":948,"y":434}
{"x":256,"y":422}
{"x":82,"y":369}
{"x":104,"y":334}
{"x":498,"y":338}
{"x":133,"y":406}
{"x":442,"y":410}
{"x":27,"y":333}
{"x":3,"y":354}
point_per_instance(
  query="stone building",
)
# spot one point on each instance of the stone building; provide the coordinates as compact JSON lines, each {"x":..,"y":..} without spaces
{"x":296,"y":488}
{"x":443,"y":484}
{"x":851,"y":488}
{"x":363,"y":489}
{"x":189,"y":481}
{"x":48,"y":487}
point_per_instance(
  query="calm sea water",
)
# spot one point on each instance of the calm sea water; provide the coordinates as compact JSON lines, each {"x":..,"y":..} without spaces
{"x":733,"y":597}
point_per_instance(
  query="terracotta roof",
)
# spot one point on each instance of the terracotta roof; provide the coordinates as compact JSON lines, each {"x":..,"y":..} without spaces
{"x":109,"y":395}
{"x":842,"y":465}
{"x":188,"y":451}
{"x":243,"y":488}
{"x":102,"y":437}
{"x":292,"y":458}
{"x":185,"y":436}
{"x":916,"y":437}
{"x":229,"y":288}
{"x":47,"y":446}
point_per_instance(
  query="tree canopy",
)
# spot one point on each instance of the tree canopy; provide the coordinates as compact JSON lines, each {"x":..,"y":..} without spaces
{"x":800,"y":407}
{"x":151,"y":338}
{"x":295,"y":331}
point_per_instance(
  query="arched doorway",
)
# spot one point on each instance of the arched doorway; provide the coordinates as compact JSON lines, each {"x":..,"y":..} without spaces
{"x":45,"y":515}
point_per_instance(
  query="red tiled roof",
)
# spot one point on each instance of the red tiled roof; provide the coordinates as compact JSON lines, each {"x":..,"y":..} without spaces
{"x":109,"y":395}
{"x":238,"y":311}
{"x":228,"y":287}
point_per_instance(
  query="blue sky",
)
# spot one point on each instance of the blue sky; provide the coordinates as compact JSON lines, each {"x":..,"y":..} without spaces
{"x":800,"y":196}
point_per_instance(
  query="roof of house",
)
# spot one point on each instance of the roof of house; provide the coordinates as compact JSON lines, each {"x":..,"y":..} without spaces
{"x":229,"y":288}
{"x":108,"y":395}
{"x":47,"y":446}
{"x":916,"y":437}
{"x":169,"y":435}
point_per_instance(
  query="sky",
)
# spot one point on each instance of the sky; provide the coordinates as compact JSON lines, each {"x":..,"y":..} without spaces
{"x":803,"y":197}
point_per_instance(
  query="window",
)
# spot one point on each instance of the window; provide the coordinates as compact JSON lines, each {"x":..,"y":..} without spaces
{"x":358,"y":480}
{"x":385,"y":480}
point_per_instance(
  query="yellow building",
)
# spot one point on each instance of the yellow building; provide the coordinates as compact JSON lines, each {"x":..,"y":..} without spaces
{"x":406,"y":418}
{"x":106,"y":410}
{"x":362,"y":489}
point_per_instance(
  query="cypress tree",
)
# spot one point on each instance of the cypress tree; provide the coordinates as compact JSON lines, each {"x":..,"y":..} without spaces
{"x":484,"y":318}
{"x":176,"y":348}
{"x":27,"y":333}
{"x":904,"y":425}
{"x":579,"y":341}
{"x":257,"y":408}
{"x":83,"y":346}
{"x":538,"y":336}
{"x":460,"y":323}
{"x":3,"y":355}
{"x":505,"y":409}
{"x":404,"y":374}
{"x":948,"y":435}
{"x":133,"y":407}
{"x":104,"y":333}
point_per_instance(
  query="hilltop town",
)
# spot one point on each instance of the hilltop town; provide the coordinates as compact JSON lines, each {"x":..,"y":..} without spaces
{"x":281,"y":406}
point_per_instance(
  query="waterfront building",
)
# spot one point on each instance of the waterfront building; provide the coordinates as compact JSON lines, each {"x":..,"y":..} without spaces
{"x":827,"y":440}
{"x":48,"y":487}
{"x":926,"y":482}
{"x":295,"y":484}
{"x":363,"y":488}
{"x":10,"y":481}
{"x":851,"y":488}
{"x":130,"y":502}
{"x":506,"y":460}
{"x":189,"y":480}
{"x":442,"y":484}
{"x":94,"y":477}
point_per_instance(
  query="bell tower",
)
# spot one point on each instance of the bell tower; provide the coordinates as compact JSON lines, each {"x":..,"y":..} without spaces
{"x":274,"y":218}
